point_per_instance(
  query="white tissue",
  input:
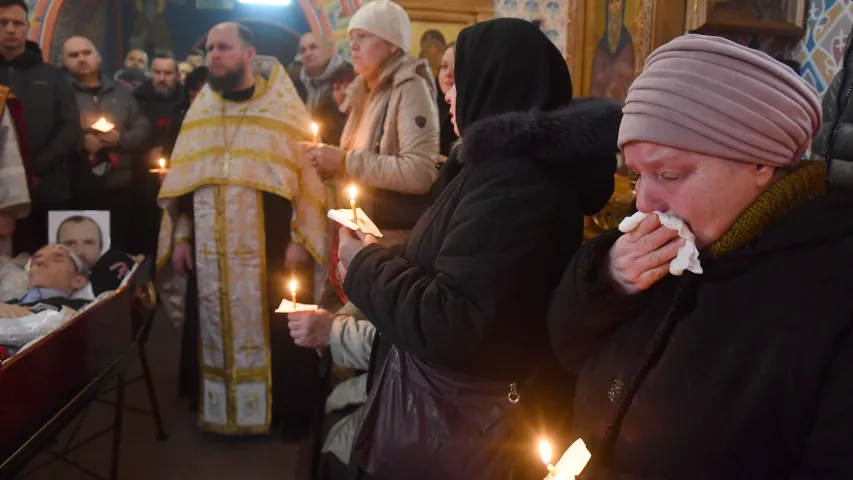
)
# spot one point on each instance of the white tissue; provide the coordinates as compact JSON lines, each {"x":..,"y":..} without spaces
{"x":688,"y":255}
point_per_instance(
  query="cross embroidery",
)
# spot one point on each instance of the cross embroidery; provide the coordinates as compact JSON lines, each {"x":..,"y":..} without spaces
{"x":243,"y":252}
{"x":211,"y":347}
{"x":205,"y":251}
{"x":250,"y":347}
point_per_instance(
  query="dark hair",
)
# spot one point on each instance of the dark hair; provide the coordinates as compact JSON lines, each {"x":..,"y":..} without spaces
{"x":12,"y":3}
{"x":195,"y":80}
{"x":342,"y":75}
{"x":165,"y":55}
{"x":80,"y":219}
{"x":433,"y":35}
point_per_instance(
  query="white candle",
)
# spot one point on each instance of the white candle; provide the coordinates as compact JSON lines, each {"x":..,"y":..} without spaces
{"x":545,"y":454}
{"x":315,"y":129}
{"x":353,"y":192}
{"x":293,"y":286}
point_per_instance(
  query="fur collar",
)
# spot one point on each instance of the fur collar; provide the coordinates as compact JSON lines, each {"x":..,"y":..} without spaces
{"x":577,"y":144}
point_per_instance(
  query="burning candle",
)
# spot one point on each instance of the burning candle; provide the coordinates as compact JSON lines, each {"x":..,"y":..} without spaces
{"x":161,"y":167}
{"x":352,"y":194}
{"x":102,"y":125}
{"x":545,"y":453}
{"x":293,"y":286}
{"x":315,"y":129}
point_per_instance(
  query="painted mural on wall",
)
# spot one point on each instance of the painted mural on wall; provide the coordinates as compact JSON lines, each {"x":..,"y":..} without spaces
{"x":554,"y":15}
{"x":150,"y":29}
{"x":821,"y":50}
{"x":612,"y":55}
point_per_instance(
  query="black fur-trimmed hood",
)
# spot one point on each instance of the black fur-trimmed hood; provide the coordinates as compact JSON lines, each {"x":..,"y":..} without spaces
{"x":578,"y":143}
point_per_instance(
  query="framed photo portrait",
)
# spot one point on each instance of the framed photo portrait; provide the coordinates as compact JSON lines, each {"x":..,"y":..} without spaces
{"x":85,"y":232}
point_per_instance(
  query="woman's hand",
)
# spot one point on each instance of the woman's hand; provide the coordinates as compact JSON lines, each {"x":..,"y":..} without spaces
{"x":350,"y":244}
{"x":327,"y":159}
{"x":640,"y":258}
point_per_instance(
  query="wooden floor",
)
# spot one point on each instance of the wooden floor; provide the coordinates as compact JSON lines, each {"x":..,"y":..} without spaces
{"x":188,"y":453}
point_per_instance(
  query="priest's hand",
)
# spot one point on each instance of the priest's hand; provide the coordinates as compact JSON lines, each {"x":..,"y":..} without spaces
{"x":296,"y":255}
{"x":92,"y":143}
{"x":311,"y":329}
{"x":641,"y":257}
{"x":7,"y":224}
{"x":327,"y":159}
{"x":182,"y":258}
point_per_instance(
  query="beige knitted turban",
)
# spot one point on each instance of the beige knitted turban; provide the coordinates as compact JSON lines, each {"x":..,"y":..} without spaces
{"x":713,"y":96}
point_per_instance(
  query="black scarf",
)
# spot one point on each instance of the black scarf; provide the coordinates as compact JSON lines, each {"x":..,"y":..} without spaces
{"x":507,"y":65}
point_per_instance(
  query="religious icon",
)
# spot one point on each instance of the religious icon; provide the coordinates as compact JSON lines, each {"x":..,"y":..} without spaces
{"x":613,"y":62}
{"x":784,"y":18}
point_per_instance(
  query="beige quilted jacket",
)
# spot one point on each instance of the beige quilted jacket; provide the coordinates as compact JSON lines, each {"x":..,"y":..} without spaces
{"x":408,"y":149}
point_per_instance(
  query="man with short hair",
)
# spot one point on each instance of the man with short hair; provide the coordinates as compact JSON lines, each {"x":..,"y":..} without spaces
{"x":239,"y":190}
{"x":136,"y":58}
{"x":105,"y":185}
{"x":51,"y":119}
{"x":135,"y":69}
{"x":163,"y":101}
{"x":195,"y":58}
{"x":320,"y":64}
{"x":83,"y":236}
{"x":741,"y":367}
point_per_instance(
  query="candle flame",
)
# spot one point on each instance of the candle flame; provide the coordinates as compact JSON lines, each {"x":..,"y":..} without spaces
{"x":545,"y":452}
{"x":162,"y":163}
{"x":293,"y":285}
{"x":353,"y":191}
{"x":315,"y":129}
{"x":102,"y":125}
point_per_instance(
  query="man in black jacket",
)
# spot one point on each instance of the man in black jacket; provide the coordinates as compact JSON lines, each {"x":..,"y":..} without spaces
{"x":163,"y":101}
{"x":106,"y":184}
{"x":834,"y":141}
{"x":50,"y":112}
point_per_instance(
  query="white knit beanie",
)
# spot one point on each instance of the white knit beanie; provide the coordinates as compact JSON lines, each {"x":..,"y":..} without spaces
{"x":386,"y":20}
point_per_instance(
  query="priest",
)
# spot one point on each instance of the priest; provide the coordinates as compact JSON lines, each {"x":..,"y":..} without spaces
{"x":238,"y":202}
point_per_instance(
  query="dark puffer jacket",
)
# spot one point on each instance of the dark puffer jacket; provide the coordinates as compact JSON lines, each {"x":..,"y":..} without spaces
{"x":51,"y":118}
{"x":834,"y":142}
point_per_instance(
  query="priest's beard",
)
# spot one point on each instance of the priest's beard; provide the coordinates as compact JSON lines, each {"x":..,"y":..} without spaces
{"x":228,"y":81}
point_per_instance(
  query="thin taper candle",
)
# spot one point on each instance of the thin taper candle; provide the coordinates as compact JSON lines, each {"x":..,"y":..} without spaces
{"x":352,"y":194}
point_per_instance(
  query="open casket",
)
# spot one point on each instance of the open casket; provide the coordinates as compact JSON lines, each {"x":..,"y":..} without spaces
{"x":63,"y":371}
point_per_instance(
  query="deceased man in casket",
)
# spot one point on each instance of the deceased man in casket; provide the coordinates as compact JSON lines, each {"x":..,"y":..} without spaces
{"x":55,"y":273}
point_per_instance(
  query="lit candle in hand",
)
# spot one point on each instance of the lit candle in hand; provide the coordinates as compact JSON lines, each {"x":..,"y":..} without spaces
{"x":162,"y":163}
{"x":315,"y":129}
{"x":352,"y":194}
{"x":293,"y":286}
{"x":545,"y":453}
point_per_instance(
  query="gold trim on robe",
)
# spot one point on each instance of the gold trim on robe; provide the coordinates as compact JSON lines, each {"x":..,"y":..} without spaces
{"x":227,"y":155}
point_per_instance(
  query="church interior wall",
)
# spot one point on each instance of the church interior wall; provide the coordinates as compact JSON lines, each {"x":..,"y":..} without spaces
{"x":185,"y":21}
